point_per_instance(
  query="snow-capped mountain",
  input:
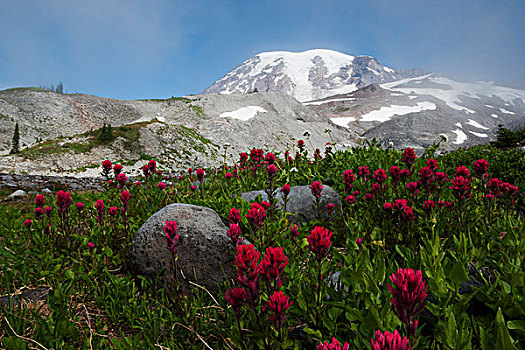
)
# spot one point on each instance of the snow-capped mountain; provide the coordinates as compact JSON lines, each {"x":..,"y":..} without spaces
{"x":307,"y":75}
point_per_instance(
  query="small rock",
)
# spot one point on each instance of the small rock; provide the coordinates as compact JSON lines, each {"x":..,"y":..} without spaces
{"x":18,"y":194}
{"x":46,"y":190}
{"x":204,"y":250}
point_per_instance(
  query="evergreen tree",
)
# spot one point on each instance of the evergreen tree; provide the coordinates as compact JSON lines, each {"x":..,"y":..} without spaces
{"x":60,"y":88}
{"x":15,"y":144}
{"x":106,"y":133}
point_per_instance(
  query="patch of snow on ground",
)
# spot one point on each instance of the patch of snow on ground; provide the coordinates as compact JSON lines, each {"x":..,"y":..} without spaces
{"x":461,"y":136}
{"x":503,"y":110}
{"x":148,"y":119}
{"x":342,"y":121}
{"x":244,"y":113}
{"x":385,"y":113}
{"x":317,"y":103}
{"x":494,"y":115}
{"x":476,"y":124}
{"x":490,"y":106}
{"x":412,"y":97}
{"x":396,"y":94}
{"x":458,"y":125}
{"x":478,"y":134}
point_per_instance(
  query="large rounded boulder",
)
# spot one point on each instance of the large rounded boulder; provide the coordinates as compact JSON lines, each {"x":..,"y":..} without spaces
{"x":204,"y":250}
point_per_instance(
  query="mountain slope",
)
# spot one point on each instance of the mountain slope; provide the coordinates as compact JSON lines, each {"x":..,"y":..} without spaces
{"x":307,"y":75}
{"x":415,"y":112}
{"x":58,"y":132}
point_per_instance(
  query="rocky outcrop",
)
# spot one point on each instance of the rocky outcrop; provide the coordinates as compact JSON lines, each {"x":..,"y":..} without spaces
{"x":301,"y":203}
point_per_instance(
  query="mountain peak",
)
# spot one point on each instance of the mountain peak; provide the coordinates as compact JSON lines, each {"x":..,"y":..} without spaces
{"x":307,"y":75}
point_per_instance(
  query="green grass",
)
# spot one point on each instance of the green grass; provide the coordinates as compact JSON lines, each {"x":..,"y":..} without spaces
{"x":22,"y":89}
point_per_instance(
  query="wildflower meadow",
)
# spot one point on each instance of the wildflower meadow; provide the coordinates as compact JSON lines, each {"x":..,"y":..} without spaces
{"x":424,"y":252}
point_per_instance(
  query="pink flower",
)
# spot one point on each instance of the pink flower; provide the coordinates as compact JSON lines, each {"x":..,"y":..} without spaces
{"x":413,"y":187}
{"x":462,"y":171}
{"x":146,"y":171}
{"x":161,"y":186}
{"x":388,"y":206}
{"x":330,"y":208}
{"x":350,"y":199}
{"x":234,"y":233}
{"x":409,"y":157}
{"x":432,"y":164}
{"x":395,"y":174}
{"x":228,"y":176}
{"x":364,"y":172}
{"x":172,"y":237}
{"x":39,"y":200}
{"x":236,"y":298}
{"x":319,"y":242}
{"x":138,"y":183}
{"x":389,"y":341}
{"x":426,"y":176}
{"x":124,"y":198}
{"x":405,"y":173}
{"x":106,"y":167}
{"x":441,"y":178}
{"x":428,"y":206}
{"x":270,"y":158}
{"x":278,"y":304}
{"x":200,"y":174}
{"x":380,"y":175}
{"x":369,"y":197}
{"x":152,"y":165}
{"x":112,"y":211}
{"x":316,"y":187}
{"x":375,"y":188}
{"x":494,"y":185}
{"x":38,"y":213}
{"x":333,"y":345}
{"x":99,"y":206}
{"x":246,"y":261}
{"x":117,"y":169}
{"x":63,"y":201}
{"x":359,"y":242}
{"x":286,"y":190}
{"x":256,"y":216}
{"x":300,"y":144}
{"x":91,"y":247}
{"x":271,"y":170}
{"x":28,"y":223}
{"x":80,"y":206}
{"x":348,"y":179}
{"x":266,"y":205}
{"x":294,"y":232}
{"x":48,"y":211}
{"x":408,"y":296}
{"x":460,"y":187}
{"x":121,"y":179}
{"x":243,"y":158}
{"x":193,"y":188}
{"x":273,"y":263}
{"x":235,"y":216}
{"x":509,"y":190}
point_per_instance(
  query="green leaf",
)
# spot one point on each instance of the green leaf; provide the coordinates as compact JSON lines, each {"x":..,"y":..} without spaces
{"x":458,"y":274}
{"x":14,"y":343}
{"x":372,"y":320}
{"x":503,"y":339}
{"x":451,"y":330}
{"x":517,"y":325}
{"x":70,"y":274}
{"x":316,"y":333}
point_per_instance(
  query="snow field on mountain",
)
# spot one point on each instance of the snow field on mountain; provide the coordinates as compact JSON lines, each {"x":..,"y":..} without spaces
{"x":342,"y":121}
{"x":476,"y":124}
{"x":460,"y":136}
{"x":385,"y":113}
{"x":243,"y":113}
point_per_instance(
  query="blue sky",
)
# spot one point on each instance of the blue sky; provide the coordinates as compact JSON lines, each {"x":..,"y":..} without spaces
{"x":157,"y":49}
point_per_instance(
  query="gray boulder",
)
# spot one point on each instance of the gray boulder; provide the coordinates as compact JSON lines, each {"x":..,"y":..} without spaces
{"x":301,"y":202}
{"x":204,"y":249}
